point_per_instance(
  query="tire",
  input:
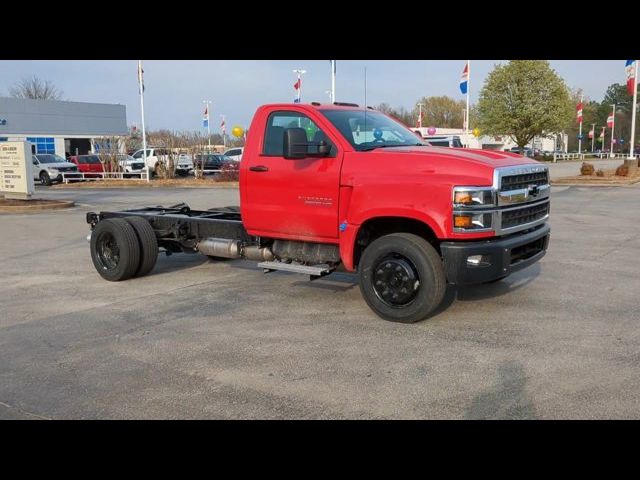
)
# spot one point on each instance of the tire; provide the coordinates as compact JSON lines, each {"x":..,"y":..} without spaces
{"x":45,"y":179}
{"x":148,"y":244}
{"x":115,"y":234}
{"x":389,"y":269}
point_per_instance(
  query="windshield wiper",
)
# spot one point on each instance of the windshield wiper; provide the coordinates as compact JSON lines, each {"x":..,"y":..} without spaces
{"x":374,"y":147}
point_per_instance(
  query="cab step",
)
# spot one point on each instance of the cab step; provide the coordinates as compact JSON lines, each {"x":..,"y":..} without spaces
{"x":314,"y":271}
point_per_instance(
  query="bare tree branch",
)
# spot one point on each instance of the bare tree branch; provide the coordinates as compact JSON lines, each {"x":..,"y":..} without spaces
{"x":36,"y":89}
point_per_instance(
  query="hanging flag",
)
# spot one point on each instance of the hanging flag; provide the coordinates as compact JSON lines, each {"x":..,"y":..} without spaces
{"x":297,"y":84}
{"x":610,"y":121}
{"x":464,"y":80}
{"x":223,"y":127}
{"x":205,"y":117}
{"x":591,"y":133}
{"x":420,"y":118}
{"x":629,"y":69}
{"x":579,"y":112}
{"x":140,"y":78}
{"x":602,"y":133}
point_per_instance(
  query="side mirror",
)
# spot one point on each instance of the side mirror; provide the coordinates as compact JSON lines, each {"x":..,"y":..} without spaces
{"x":324,"y":148}
{"x":295,"y":143}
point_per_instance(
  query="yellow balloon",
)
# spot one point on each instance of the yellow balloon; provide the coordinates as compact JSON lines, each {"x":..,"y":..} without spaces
{"x":476,"y":132}
{"x":237,"y":131}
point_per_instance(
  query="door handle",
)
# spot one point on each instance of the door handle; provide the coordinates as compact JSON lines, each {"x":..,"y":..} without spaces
{"x":259,"y":168}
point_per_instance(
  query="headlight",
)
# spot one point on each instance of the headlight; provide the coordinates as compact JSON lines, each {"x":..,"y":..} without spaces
{"x":473,"y":196}
{"x":52,"y":170}
{"x":472,"y":221}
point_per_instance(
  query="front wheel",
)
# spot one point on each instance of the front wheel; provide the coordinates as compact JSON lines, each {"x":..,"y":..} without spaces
{"x":45,"y":179}
{"x":402,"y":278}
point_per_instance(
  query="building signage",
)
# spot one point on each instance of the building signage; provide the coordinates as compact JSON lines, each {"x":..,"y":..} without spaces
{"x":16,"y":175}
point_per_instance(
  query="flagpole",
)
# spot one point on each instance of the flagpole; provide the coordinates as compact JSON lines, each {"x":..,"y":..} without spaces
{"x":420,"y":116}
{"x":580,"y":133}
{"x":632,"y":155}
{"x":593,"y":136}
{"x":224,"y":130}
{"x":144,"y":133}
{"x":468,"y":92}
{"x":603,"y":136}
{"x":333,"y":81}
{"x":613,"y":127}
{"x":207,"y":103}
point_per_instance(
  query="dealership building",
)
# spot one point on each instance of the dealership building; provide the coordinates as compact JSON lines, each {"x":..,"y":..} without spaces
{"x":73,"y":128}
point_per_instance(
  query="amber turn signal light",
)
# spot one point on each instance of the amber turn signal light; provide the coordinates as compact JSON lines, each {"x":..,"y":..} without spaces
{"x":461,"y":221}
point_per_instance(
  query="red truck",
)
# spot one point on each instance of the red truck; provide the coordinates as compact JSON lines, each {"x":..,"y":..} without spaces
{"x":327,"y":187}
{"x":90,"y":165}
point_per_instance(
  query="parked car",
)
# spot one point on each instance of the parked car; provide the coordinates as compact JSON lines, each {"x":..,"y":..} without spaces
{"x":451,"y":141}
{"x":235,"y":153}
{"x":89,"y":165}
{"x":156,"y":155}
{"x":48,"y":168}
{"x":184,"y":165}
{"x":211,"y":161}
{"x":130,"y":165}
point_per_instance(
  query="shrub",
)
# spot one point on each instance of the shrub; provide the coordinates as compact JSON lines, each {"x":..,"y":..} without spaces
{"x":599,"y":173}
{"x":587,"y":169}
{"x":622,"y":171}
{"x":230,"y":172}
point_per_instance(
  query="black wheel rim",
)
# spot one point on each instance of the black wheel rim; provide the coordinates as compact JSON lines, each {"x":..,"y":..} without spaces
{"x":43,"y":179}
{"x":108,"y":251}
{"x":395,"y":280}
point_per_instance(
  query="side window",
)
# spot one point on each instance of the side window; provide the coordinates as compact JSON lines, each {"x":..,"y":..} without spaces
{"x":137,"y":155}
{"x":278,"y":122}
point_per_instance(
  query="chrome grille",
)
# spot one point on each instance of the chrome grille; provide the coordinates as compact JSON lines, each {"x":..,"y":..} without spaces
{"x":525,"y":215}
{"x":522,"y":181}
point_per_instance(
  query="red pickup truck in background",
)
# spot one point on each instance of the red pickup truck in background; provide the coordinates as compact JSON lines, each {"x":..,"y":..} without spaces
{"x":326,"y":187}
{"x":90,"y":165}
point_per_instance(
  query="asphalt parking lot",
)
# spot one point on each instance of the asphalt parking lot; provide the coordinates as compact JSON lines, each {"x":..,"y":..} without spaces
{"x":204,"y":339}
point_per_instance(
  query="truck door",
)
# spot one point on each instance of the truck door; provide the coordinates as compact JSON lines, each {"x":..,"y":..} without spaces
{"x":295,"y":199}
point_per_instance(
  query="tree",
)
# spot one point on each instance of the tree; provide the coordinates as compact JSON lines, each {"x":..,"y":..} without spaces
{"x":36,"y":89}
{"x":524,"y":99}
{"x":401,"y":114}
{"x":443,"y":112}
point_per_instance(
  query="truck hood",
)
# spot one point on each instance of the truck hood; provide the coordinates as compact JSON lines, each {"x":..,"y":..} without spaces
{"x":59,"y":165}
{"x":492,"y":158}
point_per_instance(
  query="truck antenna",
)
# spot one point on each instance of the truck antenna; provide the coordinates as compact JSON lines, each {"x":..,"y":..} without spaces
{"x":365,"y":101}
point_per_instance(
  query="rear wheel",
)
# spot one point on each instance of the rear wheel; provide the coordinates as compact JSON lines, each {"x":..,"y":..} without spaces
{"x":148,"y":244}
{"x":115,"y":249}
{"x":402,"y":278}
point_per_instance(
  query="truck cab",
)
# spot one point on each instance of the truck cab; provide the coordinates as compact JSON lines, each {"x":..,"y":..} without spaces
{"x":334,"y":186}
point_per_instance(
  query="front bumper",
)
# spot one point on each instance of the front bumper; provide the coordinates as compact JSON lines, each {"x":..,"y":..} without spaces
{"x":500,"y":257}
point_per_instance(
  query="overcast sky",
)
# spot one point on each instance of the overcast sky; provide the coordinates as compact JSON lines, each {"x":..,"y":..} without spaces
{"x":175,"y":90}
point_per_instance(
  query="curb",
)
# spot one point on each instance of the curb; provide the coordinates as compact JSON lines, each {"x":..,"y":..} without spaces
{"x":145,"y":185}
{"x":54,"y":205}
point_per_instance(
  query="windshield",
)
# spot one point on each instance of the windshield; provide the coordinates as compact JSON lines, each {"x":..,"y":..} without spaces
{"x":93,"y":159}
{"x":368,"y":130}
{"x":50,"y":158}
